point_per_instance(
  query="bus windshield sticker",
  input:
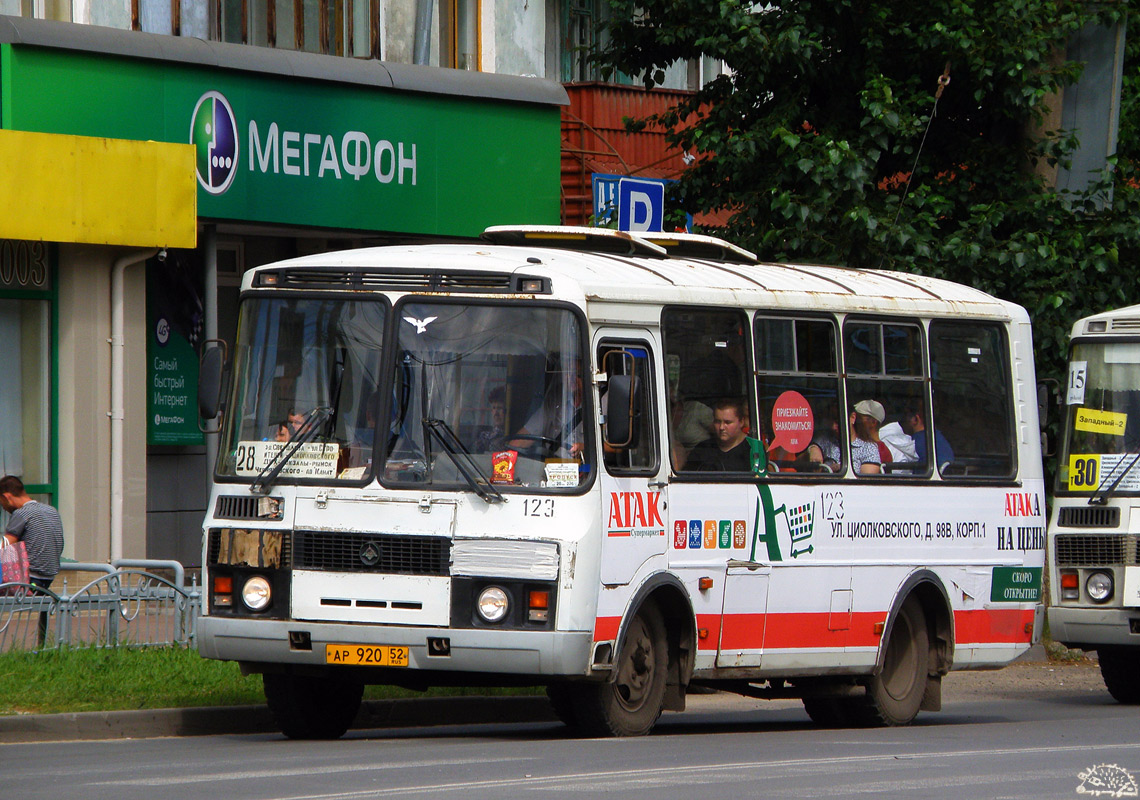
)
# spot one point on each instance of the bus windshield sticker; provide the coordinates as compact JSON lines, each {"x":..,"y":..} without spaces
{"x":312,"y":460}
{"x":1093,"y":421}
{"x":561,"y":474}
{"x":1078,"y":374}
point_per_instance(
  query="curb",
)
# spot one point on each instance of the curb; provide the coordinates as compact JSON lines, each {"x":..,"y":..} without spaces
{"x":233,"y":720}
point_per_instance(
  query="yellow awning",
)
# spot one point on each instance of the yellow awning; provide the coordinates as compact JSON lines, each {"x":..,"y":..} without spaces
{"x":84,"y":189}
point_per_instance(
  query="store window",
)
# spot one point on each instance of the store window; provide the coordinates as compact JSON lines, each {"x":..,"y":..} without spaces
{"x":26,"y":391}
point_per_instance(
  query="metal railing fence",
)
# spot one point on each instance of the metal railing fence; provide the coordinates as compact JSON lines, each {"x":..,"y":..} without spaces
{"x":124,"y":605}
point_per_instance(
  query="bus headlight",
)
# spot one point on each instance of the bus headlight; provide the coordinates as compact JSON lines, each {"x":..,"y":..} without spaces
{"x":1099,"y":587}
{"x":256,"y":593}
{"x":493,"y":604}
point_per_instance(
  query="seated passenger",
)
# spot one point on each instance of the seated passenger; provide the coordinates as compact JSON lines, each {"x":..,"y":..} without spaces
{"x":556,"y":428}
{"x":691,"y":426}
{"x":728,"y":449}
{"x":493,"y":438}
{"x":915,"y":425}
{"x":868,"y":454}
{"x":824,"y":447}
{"x":901,"y":445}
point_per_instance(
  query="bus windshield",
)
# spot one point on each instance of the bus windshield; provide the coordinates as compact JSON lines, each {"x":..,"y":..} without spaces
{"x":306,"y":373}
{"x":1101,"y":436}
{"x":486,"y":394}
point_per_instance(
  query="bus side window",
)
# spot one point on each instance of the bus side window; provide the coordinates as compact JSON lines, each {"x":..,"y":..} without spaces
{"x":640,"y":454}
{"x":706,"y":363}
{"x":797,"y":390}
{"x":885,"y":384}
{"x":971,"y":408}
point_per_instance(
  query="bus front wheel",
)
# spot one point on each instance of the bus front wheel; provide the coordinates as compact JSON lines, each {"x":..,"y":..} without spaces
{"x":630,"y":704}
{"x":895,"y":694}
{"x":1121,"y":672}
{"x":308,"y":707}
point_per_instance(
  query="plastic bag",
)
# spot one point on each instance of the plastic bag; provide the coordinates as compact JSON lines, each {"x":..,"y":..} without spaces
{"x":13,"y":565}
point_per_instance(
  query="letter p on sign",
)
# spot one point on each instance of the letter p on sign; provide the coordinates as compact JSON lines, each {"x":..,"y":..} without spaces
{"x":641,"y":204}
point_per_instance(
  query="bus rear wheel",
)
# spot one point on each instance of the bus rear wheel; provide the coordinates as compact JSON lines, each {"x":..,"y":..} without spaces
{"x":1121,"y":672}
{"x":895,"y":693}
{"x":630,"y":704}
{"x":308,"y":707}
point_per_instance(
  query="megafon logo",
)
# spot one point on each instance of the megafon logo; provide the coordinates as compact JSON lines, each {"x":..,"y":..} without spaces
{"x":213,"y":132}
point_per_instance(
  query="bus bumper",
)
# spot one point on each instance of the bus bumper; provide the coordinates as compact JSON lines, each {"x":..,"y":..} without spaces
{"x":537,"y":653}
{"x":1089,"y":628}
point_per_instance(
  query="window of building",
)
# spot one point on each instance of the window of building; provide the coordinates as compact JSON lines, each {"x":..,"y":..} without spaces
{"x":459,"y":34}
{"x":334,"y":27}
{"x":797,"y":394}
{"x":972,"y":405}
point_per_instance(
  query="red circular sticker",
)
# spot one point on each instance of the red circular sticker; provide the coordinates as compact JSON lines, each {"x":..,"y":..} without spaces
{"x":792,"y":422}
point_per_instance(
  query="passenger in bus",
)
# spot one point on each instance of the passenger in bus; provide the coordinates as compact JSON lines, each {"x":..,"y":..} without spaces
{"x":900,"y":444}
{"x":868,"y":454}
{"x":559,"y":426}
{"x":824,"y":448}
{"x":279,"y":432}
{"x":728,"y":449}
{"x":915,"y":425}
{"x":296,"y":420}
{"x":691,"y":422}
{"x":494,"y":438}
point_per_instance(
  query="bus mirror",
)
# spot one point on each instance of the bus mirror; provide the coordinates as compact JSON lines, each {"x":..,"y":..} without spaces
{"x":622,"y":402}
{"x":1045,"y":388}
{"x":211,"y":365}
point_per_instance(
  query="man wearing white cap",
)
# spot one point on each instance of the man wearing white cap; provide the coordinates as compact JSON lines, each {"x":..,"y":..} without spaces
{"x":868,"y":454}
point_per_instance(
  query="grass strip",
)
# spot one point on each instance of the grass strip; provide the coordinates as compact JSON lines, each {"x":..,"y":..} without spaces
{"x":126,"y":678}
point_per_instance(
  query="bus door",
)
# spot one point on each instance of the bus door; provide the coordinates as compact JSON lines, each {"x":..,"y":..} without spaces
{"x":633,"y":495}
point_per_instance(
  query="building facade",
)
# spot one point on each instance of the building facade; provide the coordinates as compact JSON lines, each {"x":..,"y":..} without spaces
{"x":154,"y":169}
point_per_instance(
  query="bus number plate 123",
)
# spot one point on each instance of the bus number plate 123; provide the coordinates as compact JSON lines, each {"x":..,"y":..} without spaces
{"x":367,"y":655}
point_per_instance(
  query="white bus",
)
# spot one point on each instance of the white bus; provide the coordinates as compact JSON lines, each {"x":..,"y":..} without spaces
{"x":620,"y":466}
{"x":1094,"y":562}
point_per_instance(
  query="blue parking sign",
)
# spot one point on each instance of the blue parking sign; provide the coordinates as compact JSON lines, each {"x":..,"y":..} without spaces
{"x":641,"y":204}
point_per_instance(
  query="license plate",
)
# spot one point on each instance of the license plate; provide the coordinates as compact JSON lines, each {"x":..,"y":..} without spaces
{"x":367,"y":655}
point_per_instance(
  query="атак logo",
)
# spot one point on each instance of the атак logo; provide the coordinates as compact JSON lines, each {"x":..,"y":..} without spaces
{"x":213,"y":132}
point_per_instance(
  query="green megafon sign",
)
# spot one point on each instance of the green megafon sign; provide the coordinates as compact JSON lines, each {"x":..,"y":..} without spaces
{"x":303,"y":152}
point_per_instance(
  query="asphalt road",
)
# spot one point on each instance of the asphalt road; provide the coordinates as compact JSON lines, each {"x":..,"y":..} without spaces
{"x":1030,"y":731}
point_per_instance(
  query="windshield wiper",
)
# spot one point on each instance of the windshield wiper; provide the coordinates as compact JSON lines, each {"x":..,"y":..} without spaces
{"x":1101,"y":495}
{"x":296,"y":441}
{"x":478,"y":480}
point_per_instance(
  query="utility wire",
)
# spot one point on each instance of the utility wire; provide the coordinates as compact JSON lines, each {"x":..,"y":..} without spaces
{"x":943,"y":82}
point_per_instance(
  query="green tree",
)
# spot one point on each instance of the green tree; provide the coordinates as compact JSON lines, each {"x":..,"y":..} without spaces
{"x":831,"y":113}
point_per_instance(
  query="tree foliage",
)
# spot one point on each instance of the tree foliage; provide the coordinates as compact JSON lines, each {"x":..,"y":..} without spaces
{"x":830,"y":114}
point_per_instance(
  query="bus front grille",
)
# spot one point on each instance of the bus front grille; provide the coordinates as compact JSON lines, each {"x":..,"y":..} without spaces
{"x":371,"y":552}
{"x":1074,"y":550}
{"x":1089,"y":517}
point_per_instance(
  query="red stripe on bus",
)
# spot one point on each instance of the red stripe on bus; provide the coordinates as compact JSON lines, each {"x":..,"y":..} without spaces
{"x":789,"y":631}
{"x":993,"y":626}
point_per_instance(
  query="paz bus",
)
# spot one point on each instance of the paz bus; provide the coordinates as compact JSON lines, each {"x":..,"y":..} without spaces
{"x":618,"y":466}
{"x":1094,"y":561}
